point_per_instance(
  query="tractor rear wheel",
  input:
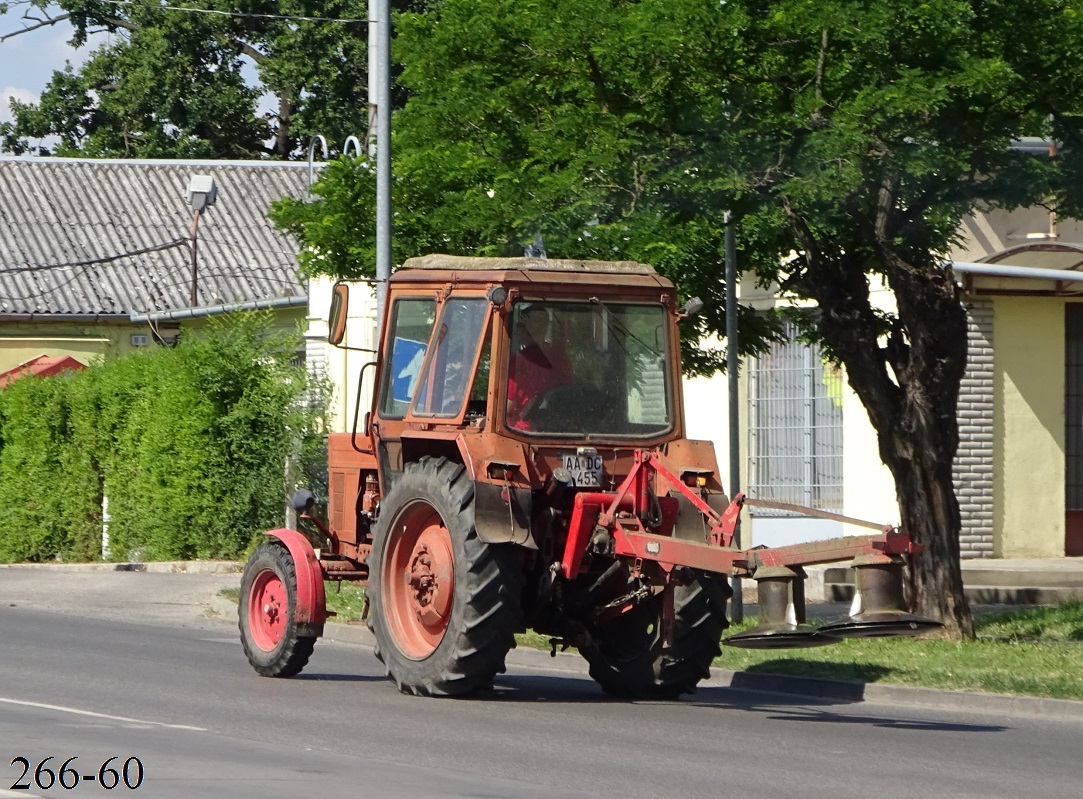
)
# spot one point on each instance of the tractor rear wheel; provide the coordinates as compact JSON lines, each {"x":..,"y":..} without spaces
{"x":629,"y":659}
{"x":266,"y":613}
{"x":444,"y":605}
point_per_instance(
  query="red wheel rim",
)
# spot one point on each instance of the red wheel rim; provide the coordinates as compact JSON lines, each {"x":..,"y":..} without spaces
{"x":418,"y":580}
{"x":268,"y":607}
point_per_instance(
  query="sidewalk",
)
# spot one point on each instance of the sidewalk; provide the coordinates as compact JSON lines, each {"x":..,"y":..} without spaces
{"x":987,"y":581}
{"x":158,"y":593}
{"x":188,"y":594}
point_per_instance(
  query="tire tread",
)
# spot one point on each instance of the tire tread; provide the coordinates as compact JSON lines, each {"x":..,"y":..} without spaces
{"x":291,"y":655}
{"x":487,"y":583}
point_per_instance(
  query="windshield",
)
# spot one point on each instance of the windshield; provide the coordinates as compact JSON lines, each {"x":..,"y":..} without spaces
{"x":589,"y":369}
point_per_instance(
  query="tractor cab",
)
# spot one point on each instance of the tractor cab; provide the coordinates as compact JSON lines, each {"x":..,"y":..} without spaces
{"x":517,"y":355}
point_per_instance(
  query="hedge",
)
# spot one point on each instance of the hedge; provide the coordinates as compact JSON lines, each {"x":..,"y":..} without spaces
{"x":190,"y":444}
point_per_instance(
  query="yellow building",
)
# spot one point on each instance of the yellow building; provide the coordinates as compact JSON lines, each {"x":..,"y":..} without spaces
{"x":1025,"y":373}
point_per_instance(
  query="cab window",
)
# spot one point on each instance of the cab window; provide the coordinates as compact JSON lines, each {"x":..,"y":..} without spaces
{"x":447,"y":376}
{"x":412,"y":321}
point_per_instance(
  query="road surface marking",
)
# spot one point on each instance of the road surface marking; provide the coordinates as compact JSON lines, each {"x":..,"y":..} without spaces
{"x":78,"y":712}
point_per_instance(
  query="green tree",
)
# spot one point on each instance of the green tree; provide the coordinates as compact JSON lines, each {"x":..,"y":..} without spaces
{"x":849,"y":138}
{"x":167,"y":83}
{"x":876,"y":128}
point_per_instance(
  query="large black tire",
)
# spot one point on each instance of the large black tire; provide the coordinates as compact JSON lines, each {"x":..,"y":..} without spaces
{"x":432,"y":640}
{"x":265,"y":613}
{"x":628,"y":658}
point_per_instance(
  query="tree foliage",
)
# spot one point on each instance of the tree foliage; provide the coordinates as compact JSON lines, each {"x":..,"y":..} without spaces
{"x":165,"y":83}
{"x":581,"y":123}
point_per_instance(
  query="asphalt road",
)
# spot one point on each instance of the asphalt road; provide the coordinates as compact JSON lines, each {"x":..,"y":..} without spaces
{"x":173,"y":689}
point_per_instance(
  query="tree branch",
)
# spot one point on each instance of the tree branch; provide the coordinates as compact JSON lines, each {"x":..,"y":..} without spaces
{"x":885,"y":208}
{"x":821,"y":60}
{"x":848,"y":324}
{"x":116,"y":22}
{"x":120,"y":23}
{"x":250,"y":51}
{"x":599,"y":82}
{"x":41,"y":23}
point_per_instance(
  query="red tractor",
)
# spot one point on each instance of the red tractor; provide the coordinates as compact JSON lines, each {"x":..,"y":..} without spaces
{"x":524,"y":465}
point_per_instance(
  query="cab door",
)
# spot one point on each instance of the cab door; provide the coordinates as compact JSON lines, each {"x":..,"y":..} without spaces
{"x":410,"y":326}
{"x":429,"y":380}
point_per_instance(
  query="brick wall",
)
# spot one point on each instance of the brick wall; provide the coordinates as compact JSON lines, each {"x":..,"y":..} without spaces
{"x":973,"y":469}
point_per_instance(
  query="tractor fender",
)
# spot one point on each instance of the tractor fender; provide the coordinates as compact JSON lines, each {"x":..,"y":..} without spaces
{"x":311,"y":610}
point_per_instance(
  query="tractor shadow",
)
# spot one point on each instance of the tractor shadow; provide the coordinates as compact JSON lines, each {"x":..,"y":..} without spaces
{"x":317,"y":677}
{"x":799,"y":704}
{"x":796,"y":708}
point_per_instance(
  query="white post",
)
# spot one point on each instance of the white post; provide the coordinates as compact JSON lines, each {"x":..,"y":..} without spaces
{"x":105,"y":527}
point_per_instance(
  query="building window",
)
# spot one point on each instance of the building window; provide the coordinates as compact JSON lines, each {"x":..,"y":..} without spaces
{"x":1073,"y":405}
{"x":795,"y":428}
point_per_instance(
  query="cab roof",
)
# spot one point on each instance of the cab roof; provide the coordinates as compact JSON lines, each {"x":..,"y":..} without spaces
{"x":466,"y":263}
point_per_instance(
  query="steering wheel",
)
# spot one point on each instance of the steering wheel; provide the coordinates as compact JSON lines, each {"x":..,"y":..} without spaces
{"x":566,"y":395}
{"x":537,"y":403}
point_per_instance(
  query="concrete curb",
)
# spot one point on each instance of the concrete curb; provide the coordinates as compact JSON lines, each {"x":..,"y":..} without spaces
{"x":156,"y":567}
{"x":801,"y":688}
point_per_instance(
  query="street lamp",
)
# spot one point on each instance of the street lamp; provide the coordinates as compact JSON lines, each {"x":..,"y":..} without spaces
{"x":202,"y":192}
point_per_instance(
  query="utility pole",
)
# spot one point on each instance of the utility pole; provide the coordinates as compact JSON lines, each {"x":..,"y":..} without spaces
{"x":380,"y":14}
{"x":732,"y":367}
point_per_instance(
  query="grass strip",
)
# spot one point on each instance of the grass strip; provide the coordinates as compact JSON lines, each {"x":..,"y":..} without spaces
{"x":1025,"y":652}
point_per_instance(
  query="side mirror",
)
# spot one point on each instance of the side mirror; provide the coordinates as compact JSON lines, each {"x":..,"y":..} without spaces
{"x":692,"y":307}
{"x":336,"y":319}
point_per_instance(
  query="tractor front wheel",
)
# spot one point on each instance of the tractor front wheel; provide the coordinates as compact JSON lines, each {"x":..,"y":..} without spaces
{"x":629,"y":659}
{"x":444,"y":605}
{"x":265,"y":613}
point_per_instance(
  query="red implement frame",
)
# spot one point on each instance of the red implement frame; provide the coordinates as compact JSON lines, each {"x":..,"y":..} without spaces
{"x":623,"y":512}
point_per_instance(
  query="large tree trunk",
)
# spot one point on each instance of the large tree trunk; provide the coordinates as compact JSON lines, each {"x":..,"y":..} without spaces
{"x":909,"y":385}
{"x":931,"y":515}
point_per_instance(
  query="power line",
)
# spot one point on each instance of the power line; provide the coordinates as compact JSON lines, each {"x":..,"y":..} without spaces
{"x":214,"y":271}
{"x":209,"y":236}
{"x":288,"y":17}
{"x":37,"y":294}
{"x":79,"y":265}
{"x":94,"y":261}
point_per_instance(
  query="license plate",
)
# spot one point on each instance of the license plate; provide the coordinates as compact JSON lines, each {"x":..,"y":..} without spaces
{"x":586,"y":470}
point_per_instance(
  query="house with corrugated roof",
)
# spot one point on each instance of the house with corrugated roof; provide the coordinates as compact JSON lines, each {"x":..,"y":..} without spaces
{"x":98,"y":257}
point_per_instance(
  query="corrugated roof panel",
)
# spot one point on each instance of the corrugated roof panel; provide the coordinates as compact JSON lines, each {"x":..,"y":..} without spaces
{"x":58,"y":211}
